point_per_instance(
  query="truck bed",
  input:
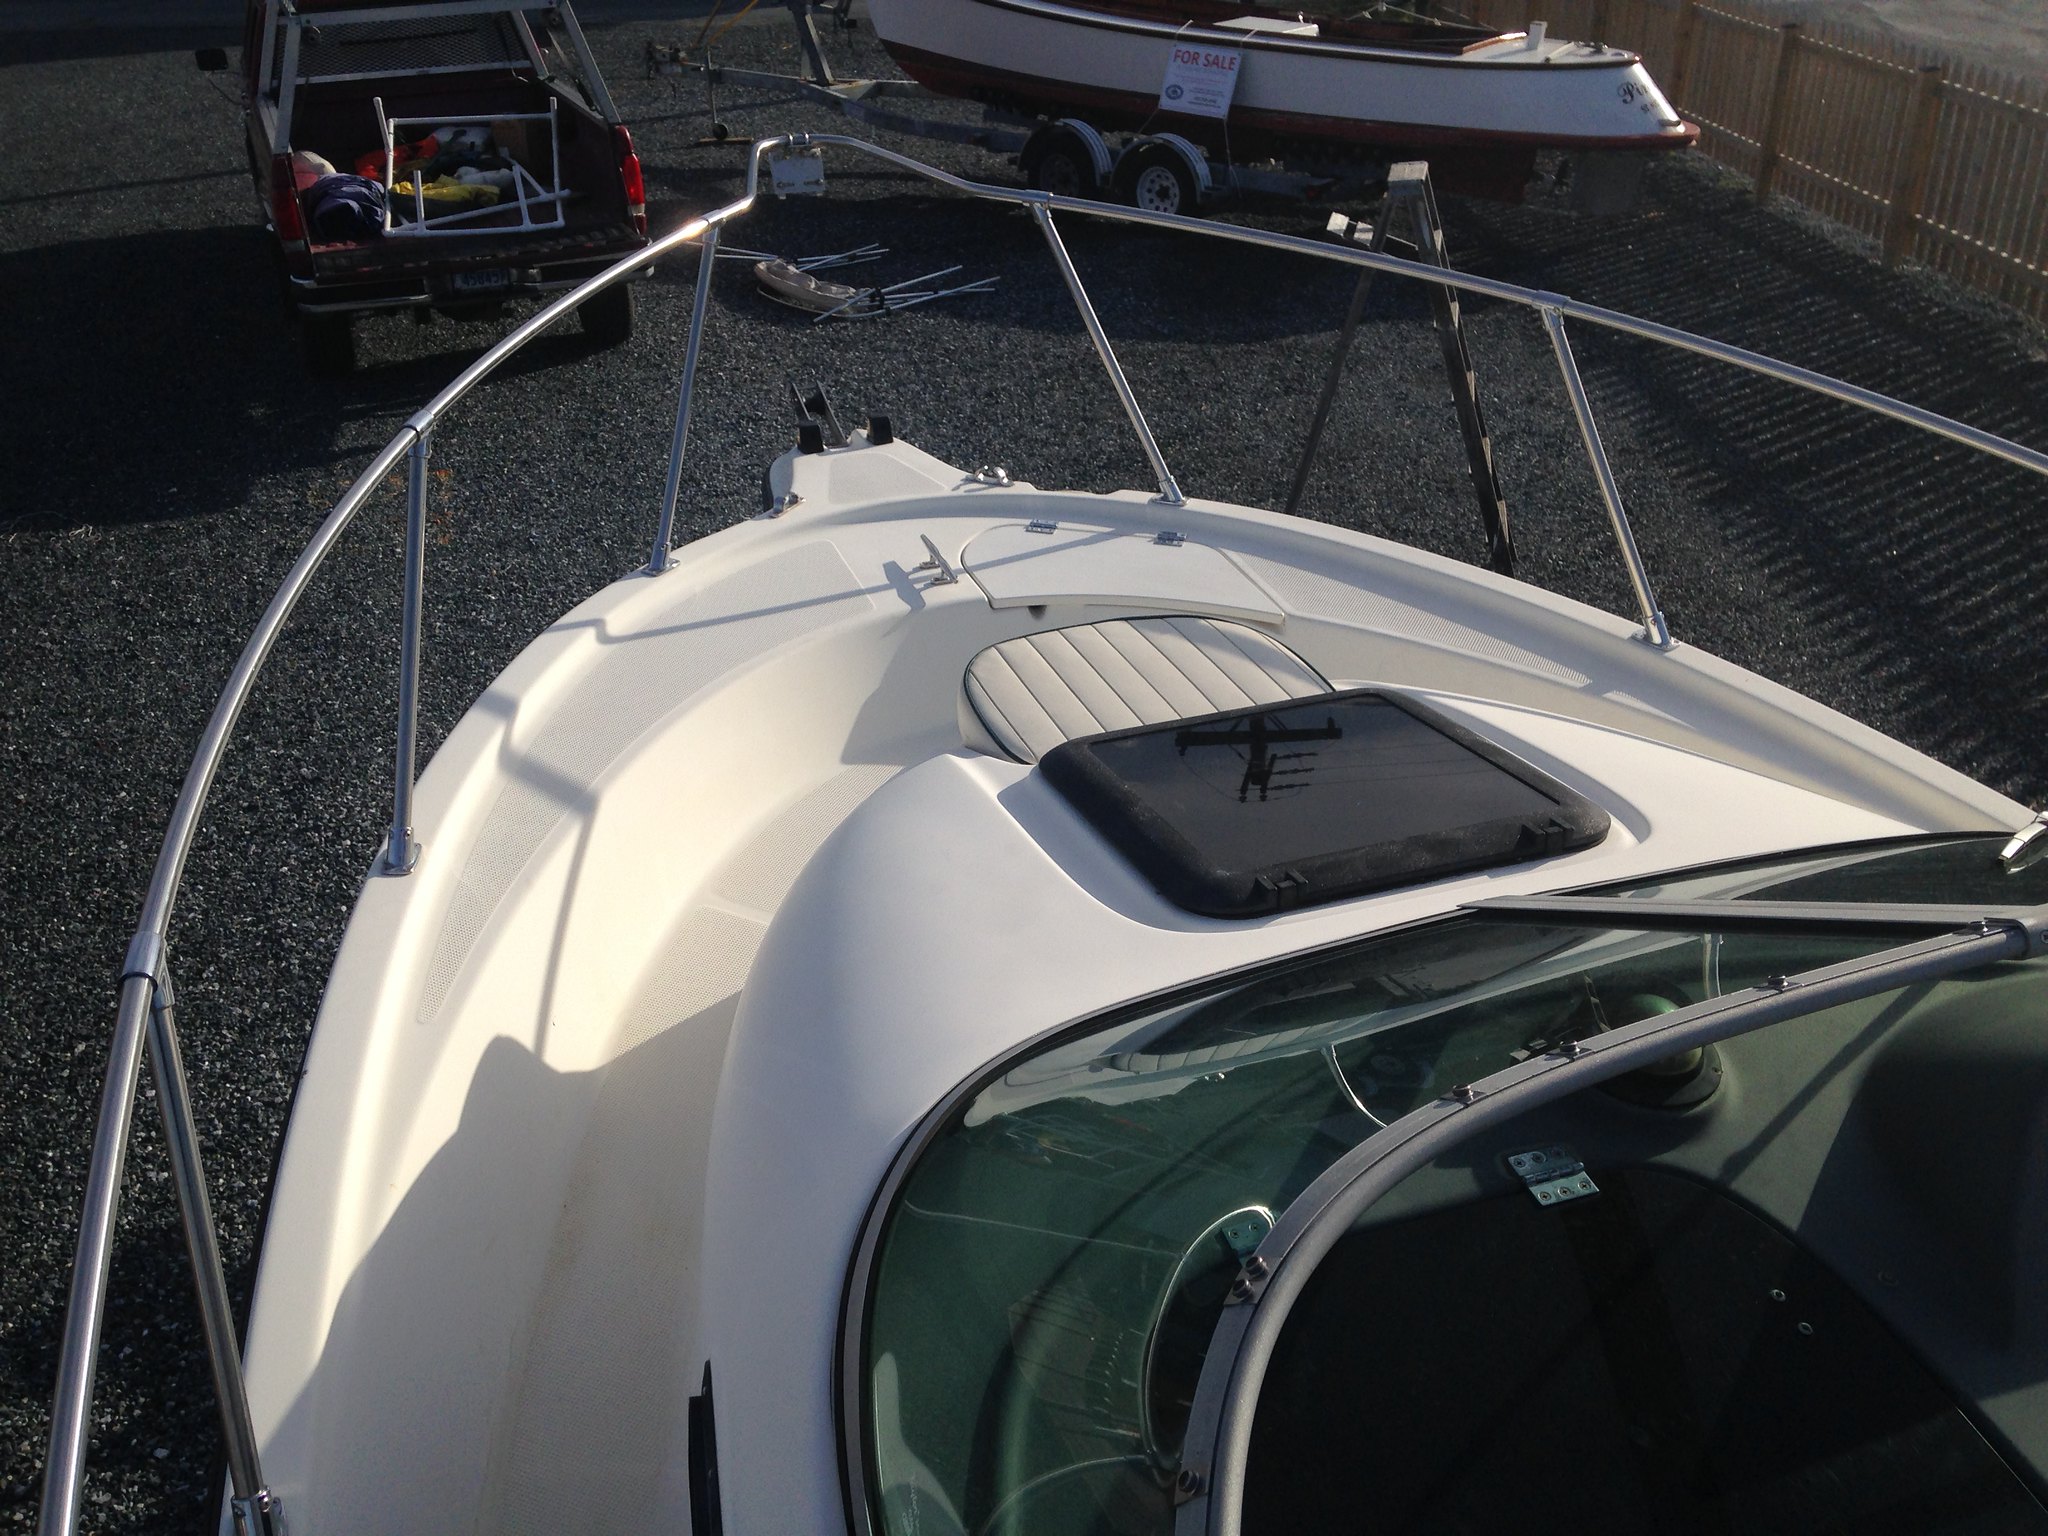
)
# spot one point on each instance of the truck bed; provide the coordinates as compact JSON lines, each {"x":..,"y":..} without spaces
{"x":339,"y":122}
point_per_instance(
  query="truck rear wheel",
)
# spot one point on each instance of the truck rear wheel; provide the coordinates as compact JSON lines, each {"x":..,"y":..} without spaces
{"x":330,"y":344}
{"x":607,"y":319}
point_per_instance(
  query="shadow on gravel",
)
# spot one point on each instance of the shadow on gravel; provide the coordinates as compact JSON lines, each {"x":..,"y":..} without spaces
{"x":1907,"y":557}
{"x":107,"y":42}
{"x":1146,"y":284}
{"x":156,"y":376}
{"x":105,"y":188}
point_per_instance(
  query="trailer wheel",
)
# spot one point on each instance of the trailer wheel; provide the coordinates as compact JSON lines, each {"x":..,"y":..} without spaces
{"x":330,"y":342}
{"x":607,"y":319}
{"x":1156,"y":177}
{"x":1057,"y":159}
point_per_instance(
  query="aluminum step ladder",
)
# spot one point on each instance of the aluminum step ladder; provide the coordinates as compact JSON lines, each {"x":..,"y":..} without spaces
{"x":1409,"y":196}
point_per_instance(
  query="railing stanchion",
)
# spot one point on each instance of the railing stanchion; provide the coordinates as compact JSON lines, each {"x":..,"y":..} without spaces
{"x":1169,"y":492}
{"x":256,"y":1511}
{"x":664,"y":533}
{"x":401,"y":853}
{"x":1654,"y":628}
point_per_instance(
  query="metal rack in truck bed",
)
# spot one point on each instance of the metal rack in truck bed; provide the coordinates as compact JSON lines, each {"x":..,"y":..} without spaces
{"x":439,"y":154}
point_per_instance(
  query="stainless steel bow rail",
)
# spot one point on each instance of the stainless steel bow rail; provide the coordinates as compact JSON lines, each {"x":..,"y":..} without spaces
{"x":146,"y":1018}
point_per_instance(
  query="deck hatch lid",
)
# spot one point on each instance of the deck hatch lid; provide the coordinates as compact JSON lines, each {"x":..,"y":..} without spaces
{"x":1020,"y":564}
{"x":1258,"y":810}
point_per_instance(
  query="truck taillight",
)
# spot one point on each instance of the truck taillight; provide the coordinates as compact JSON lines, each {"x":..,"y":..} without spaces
{"x":629,"y":175}
{"x":284,"y":202}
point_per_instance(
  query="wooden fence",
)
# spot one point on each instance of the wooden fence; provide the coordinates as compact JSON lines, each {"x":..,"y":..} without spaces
{"x":1939,"y":162}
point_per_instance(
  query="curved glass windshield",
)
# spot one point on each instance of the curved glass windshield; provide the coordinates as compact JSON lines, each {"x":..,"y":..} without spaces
{"x":1050,"y":1269}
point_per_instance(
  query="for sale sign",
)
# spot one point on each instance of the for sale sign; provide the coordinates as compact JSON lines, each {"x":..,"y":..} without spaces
{"x":1199,"y":81}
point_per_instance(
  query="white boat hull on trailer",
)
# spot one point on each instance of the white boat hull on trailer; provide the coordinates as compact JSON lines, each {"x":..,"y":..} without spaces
{"x":1478,"y":115}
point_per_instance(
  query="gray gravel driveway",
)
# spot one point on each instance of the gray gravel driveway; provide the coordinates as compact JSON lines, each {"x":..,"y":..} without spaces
{"x":166,"y":455}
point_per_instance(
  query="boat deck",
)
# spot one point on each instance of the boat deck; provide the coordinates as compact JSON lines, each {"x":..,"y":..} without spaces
{"x":527,"y":1053}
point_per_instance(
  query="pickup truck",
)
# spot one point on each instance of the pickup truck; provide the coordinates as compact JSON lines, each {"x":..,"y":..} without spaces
{"x":501,"y":166}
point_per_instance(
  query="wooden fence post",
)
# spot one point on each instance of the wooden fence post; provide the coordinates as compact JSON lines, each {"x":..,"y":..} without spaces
{"x":1916,"y":157}
{"x":1681,"y":56}
{"x":1774,"y":113}
{"x":1596,"y":27}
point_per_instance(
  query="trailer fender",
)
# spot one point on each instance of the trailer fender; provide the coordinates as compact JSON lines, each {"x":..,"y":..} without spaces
{"x":1197,"y":162}
{"x":1068,"y":156}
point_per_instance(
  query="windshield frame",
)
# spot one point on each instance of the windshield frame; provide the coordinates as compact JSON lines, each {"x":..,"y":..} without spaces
{"x":1209,"y":1492}
{"x":1956,"y":937}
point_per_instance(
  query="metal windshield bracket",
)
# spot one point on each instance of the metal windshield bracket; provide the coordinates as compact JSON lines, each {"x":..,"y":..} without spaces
{"x":2027,"y":846}
{"x":1659,"y":915}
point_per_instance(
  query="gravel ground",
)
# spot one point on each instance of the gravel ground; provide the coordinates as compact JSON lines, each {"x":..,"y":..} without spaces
{"x":168,"y":456}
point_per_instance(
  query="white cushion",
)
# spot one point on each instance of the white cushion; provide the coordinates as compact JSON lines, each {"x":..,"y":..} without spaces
{"x":1034,"y":692}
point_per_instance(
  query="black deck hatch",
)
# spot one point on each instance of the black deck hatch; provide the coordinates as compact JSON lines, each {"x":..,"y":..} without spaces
{"x":1258,"y":810}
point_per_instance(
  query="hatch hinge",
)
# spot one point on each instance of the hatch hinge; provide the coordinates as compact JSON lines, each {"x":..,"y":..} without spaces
{"x":1553,"y":1175}
{"x":1542,"y":840}
{"x":1285,"y":891}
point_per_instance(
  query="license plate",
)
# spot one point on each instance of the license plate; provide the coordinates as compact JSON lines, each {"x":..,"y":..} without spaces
{"x":494,"y":280}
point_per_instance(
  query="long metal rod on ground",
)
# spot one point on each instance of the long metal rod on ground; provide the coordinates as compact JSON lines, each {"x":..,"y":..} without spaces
{"x":1654,"y":628}
{"x":665,"y":529}
{"x":256,"y":1509}
{"x":1169,"y":492}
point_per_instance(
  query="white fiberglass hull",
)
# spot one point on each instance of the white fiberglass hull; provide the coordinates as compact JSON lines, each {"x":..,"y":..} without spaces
{"x":1512,"y":93}
{"x":574,"y":1123}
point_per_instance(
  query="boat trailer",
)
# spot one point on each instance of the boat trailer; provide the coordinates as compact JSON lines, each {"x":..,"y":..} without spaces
{"x":1162,"y":172}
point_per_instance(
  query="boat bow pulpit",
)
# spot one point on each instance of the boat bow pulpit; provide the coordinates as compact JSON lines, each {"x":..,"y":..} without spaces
{"x":1135,"y":932}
